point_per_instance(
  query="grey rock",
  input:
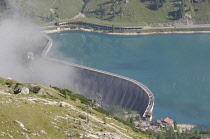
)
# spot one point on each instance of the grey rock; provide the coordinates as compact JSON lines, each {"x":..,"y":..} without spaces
{"x":42,"y":131}
{"x":24,"y":90}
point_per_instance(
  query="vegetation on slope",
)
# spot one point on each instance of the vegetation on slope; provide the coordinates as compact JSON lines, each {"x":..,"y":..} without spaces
{"x":148,"y":11}
{"x":51,"y":113}
{"x":118,"y":12}
{"x":45,"y":11}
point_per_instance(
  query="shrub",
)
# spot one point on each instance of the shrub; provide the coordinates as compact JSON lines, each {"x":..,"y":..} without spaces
{"x":82,"y":117}
{"x":83,"y":108}
{"x":73,"y":96}
{"x":10,"y":83}
{"x":101,"y":110}
{"x":83,"y":99}
{"x":34,"y":89}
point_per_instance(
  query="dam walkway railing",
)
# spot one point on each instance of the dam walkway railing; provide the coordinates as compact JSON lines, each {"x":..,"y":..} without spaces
{"x":149,"y":109}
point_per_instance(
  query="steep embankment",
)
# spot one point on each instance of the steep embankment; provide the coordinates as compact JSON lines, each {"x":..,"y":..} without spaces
{"x":47,"y":113}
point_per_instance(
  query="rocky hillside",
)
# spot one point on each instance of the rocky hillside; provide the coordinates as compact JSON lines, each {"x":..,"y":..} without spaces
{"x":36,"y":111}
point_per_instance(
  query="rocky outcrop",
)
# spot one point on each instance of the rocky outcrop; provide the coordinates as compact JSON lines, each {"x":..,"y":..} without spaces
{"x":23,"y":90}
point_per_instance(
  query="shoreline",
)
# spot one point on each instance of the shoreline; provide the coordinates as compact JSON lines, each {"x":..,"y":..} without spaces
{"x":184,"y":127}
{"x":124,"y":34}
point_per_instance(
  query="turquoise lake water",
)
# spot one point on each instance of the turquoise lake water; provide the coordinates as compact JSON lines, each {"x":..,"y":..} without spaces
{"x":175,"y":67}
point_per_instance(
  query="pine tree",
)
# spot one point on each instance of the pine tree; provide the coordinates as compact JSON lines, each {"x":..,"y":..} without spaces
{"x":175,"y":135}
{"x":131,"y":120}
{"x":113,"y":28}
{"x":209,"y":130}
{"x":178,"y":134}
{"x":175,"y":125}
{"x":197,"y":131}
{"x":160,"y":135}
{"x":157,"y":4}
{"x":182,"y":9}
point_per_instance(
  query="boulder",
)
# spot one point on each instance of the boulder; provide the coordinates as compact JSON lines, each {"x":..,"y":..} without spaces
{"x":42,"y":131}
{"x":41,"y":92}
{"x":23,"y":90}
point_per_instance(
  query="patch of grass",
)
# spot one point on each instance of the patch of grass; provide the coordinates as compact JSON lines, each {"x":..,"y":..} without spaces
{"x":101,"y":110}
{"x":82,"y":108}
{"x":42,"y":11}
{"x":49,"y":97}
{"x":134,"y":12}
{"x":82,"y":116}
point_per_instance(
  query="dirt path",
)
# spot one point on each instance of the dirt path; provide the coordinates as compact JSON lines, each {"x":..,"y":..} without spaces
{"x":183,"y":26}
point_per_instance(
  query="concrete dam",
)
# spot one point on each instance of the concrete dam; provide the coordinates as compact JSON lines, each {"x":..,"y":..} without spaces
{"x":111,"y":89}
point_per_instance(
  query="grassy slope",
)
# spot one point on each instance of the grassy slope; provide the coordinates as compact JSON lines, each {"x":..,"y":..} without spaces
{"x":140,"y":13}
{"x":53,"y":114}
{"x":135,"y":12}
{"x":203,"y":13}
{"x":39,"y":10}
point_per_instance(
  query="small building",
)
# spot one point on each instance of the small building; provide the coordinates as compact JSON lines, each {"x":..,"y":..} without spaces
{"x":167,"y":122}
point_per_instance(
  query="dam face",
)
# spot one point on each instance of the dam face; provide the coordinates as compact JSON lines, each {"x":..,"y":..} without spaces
{"x":111,"y":89}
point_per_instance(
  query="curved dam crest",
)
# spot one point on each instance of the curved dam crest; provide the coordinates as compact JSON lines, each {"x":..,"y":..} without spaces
{"x":113,"y":89}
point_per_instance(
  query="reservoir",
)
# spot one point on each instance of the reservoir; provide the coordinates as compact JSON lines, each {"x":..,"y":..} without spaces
{"x":175,"y":67}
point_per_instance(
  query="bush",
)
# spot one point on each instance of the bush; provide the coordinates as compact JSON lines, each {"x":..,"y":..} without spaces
{"x":18,"y":86}
{"x":73,"y":96}
{"x":82,"y":117}
{"x":83,"y":99}
{"x":34,"y":89}
{"x":83,"y":108}
{"x":65,"y":92}
{"x":101,"y":110}
{"x":10,"y":83}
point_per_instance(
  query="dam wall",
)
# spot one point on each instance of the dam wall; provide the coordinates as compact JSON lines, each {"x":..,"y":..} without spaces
{"x":100,"y":26}
{"x":109,"y":88}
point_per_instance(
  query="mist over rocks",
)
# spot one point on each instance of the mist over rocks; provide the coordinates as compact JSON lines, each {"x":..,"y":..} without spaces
{"x":17,"y":37}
